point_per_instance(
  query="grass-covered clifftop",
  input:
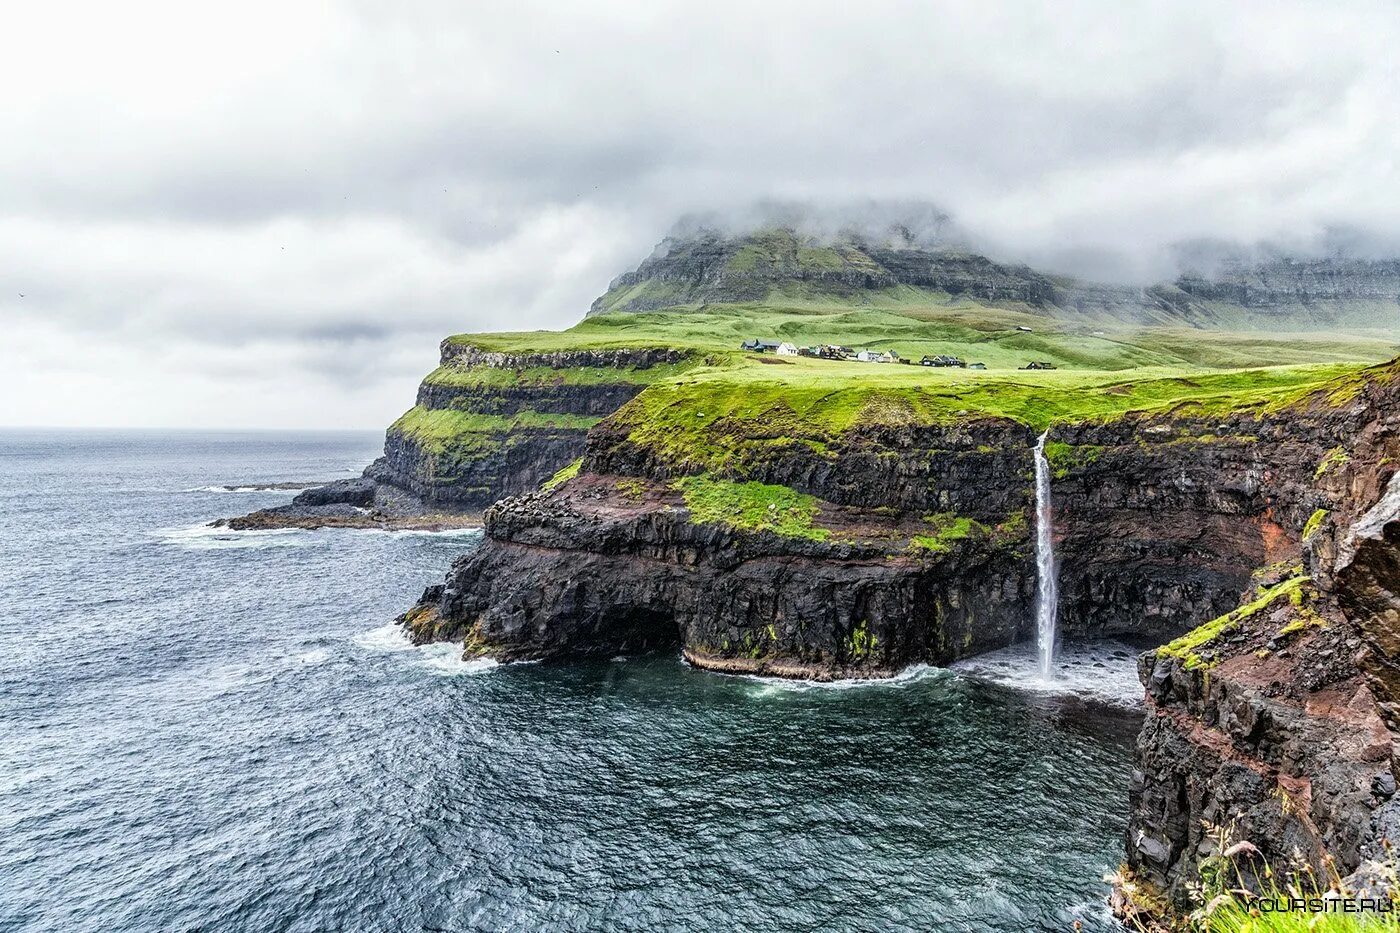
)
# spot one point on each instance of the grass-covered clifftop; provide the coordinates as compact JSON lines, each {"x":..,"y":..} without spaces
{"x":977,"y":333}
{"x":664,"y":362}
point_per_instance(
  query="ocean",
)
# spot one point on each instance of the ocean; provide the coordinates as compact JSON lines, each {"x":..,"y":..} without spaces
{"x":203,"y":729}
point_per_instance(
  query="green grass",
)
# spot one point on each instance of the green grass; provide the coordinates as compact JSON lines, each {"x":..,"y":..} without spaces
{"x":1236,"y":896}
{"x":1314,"y":522}
{"x":914,"y":324}
{"x":725,"y":421}
{"x":496,"y":377}
{"x":1063,"y":457}
{"x":1334,"y":458}
{"x":946,"y":529}
{"x":751,"y":507}
{"x":1186,"y":648}
{"x":562,"y":476}
{"x":720,"y":409}
{"x":443,"y":430}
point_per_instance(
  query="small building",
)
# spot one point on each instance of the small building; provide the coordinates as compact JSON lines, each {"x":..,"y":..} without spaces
{"x":1038,"y":364}
{"x":786,"y":349}
{"x":976,"y":365}
{"x":942,"y":360}
{"x":760,"y":346}
{"x":808,"y":351}
{"x":1025,"y":330}
{"x":869,"y":356}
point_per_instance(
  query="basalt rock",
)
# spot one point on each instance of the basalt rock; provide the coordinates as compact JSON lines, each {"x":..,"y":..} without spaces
{"x":1160,"y":523}
{"x":510,"y":454}
{"x":1277,"y":722}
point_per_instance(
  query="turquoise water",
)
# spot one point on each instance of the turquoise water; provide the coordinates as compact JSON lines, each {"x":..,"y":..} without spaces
{"x":220,"y":731}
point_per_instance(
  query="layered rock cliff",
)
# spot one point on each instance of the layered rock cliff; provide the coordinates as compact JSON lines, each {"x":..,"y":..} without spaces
{"x":1276,"y":720}
{"x":888,"y":545}
{"x":485,"y":425}
{"x":707,"y":267}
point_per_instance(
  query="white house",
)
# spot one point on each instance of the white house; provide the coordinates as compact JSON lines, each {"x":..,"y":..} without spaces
{"x":869,"y":356}
{"x":787,"y":349}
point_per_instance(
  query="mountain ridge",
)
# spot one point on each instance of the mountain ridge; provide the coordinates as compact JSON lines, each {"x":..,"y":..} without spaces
{"x":783,"y":267}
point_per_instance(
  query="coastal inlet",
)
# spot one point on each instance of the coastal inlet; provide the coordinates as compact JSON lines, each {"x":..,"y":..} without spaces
{"x":208,"y":728}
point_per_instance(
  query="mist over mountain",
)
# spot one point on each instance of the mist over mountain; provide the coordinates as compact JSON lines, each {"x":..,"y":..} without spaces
{"x":876,"y":253}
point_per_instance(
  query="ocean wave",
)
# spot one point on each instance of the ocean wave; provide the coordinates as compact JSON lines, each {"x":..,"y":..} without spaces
{"x":443,"y":659}
{"x":914,"y":673}
{"x":415,"y":532}
{"x":206,"y":537}
{"x":254,"y":487}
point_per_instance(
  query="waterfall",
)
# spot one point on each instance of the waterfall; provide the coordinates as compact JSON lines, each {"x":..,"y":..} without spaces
{"x":1047,"y":594}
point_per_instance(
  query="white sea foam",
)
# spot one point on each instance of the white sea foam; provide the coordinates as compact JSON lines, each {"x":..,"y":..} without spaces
{"x":443,"y":659}
{"x":206,"y":537}
{"x":390,"y":637}
{"x":1104,"y":671}
{"x":415,"y":532}
{"x":254,"y":487}
{"x":766,"y":686}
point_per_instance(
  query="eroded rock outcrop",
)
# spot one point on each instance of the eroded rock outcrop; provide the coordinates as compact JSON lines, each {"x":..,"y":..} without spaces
{"x":485,"y":425}
{"x":1276,"y":720}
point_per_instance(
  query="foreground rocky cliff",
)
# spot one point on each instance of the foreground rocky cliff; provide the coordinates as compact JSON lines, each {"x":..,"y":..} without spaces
{"x":1277,"y":720}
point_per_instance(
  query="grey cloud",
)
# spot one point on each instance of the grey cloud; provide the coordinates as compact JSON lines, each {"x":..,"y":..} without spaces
{"x":364,"y":178}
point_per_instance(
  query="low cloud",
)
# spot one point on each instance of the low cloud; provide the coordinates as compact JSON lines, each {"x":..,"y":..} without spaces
{"x":270,"y":214}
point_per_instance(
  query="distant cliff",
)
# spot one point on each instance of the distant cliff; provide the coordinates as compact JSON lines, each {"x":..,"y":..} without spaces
{"x":781,"y":266}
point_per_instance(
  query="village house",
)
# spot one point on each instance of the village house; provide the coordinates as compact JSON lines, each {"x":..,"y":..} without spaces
{"x":1038,"y":364}
{"x":876,"y":356}
{"x":760,"y":346}
{"x":942,"y":360}
{"x":786,"y":349}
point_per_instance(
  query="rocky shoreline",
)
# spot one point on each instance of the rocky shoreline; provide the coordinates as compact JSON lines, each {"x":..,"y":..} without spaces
{"x":351,"y":503}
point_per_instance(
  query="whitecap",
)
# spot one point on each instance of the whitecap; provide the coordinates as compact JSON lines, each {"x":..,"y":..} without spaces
{"x":442,"y":659}
{"x":254,"y":487}
{"x":767,"y":686}
{"x":1104,"y":671}
{"x":390,"y":637}
{"x":206,"y":537}
{"x":439,"y":533}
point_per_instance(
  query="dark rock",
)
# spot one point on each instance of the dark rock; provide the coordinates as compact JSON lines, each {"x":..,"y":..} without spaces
{"x":358,"y":491}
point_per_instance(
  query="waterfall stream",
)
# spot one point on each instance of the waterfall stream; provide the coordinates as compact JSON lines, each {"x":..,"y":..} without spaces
{"x":1046,"y":590}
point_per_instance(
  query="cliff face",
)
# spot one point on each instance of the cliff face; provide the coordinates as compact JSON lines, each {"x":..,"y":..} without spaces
{"x":488,"y":425}
{"x":1285,"y":282}
{"x":485,"y":425}
{"x":1277,"y":719}
{"x":914,"y":543}
{"x":711,"y":268}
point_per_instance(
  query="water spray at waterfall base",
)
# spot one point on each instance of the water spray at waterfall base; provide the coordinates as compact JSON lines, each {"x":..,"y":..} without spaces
{"x":1047,"y":594}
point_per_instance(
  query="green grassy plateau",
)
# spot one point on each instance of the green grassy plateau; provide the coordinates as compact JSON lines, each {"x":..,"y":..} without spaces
{"x":720,"y":405}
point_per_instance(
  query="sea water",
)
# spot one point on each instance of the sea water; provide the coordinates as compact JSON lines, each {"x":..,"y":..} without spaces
{"x":220,"y":730}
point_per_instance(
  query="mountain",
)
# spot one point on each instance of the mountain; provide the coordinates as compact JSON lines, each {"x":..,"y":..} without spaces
{"x":781,"y":267}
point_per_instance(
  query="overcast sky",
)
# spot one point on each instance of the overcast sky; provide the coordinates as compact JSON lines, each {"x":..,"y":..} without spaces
{"x":268,"y":214}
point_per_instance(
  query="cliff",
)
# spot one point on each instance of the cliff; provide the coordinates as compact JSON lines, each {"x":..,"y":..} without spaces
{"x":485,"y":425}
{"x":783,"y":266}
{"x":1276,"y":720}
{"x":793,"y":543}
